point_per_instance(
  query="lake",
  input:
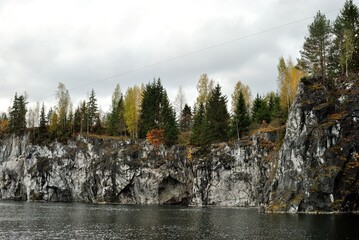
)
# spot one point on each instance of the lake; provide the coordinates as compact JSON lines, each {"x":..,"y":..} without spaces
{"x":37,"y":220}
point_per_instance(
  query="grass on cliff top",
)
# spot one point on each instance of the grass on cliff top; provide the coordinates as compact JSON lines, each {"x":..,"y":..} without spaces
{"x":265,"y":128}
{"x":107,"y":137}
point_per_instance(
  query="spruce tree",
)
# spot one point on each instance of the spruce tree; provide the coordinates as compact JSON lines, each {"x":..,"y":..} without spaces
{"x":216,"y":118}
{"x":186,"y":119}
{"x":18,"y":115}
{"x":116,"y":122}
{"x":92,"y":111}
{"x":260,"y":111}
{"x":150,"y":107}
{"x":157,"y":113}
{"x":241,"y":119}
{"x":168,"y":121}
{"x":273,"y":100}
{"x":43,"y":131}
{"x":197,"y":136}
{"x":84,"y":118}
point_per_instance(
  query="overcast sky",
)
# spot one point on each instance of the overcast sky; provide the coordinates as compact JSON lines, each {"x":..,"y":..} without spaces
{"x":84,"y":43}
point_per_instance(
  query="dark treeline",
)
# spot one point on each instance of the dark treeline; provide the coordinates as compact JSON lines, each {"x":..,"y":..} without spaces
{"x":330,"y":50}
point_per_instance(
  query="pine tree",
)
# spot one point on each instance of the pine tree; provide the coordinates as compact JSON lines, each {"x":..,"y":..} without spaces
{"x":241,"y":119}
{"x":316,"y":46}
{"x":216,"y":117}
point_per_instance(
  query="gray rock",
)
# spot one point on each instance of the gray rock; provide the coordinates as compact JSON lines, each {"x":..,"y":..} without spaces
{"x":108,"y":171}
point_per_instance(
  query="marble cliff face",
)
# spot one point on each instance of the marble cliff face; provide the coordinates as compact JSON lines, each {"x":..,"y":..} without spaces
{"x":131,"y":172}
{"x":315,"y":169}
{"x":318,"y":163}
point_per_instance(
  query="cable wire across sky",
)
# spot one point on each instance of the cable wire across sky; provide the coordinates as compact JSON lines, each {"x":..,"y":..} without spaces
{"x":194,"y":52}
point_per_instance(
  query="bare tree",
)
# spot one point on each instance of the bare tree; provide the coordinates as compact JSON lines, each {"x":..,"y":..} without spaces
{"x":179,"y":102}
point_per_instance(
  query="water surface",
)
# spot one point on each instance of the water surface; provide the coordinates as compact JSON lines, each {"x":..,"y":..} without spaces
{"x":29,"y":220}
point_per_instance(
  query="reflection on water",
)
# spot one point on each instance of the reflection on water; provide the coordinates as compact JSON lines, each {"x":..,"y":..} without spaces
{"x":26,"y":220}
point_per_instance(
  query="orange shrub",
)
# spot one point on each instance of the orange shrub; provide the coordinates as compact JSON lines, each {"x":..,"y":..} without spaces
{"x":155,"y":137}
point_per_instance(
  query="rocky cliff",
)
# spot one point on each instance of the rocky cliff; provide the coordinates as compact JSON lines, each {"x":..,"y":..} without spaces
{"x":98,"y":171}
{"x":318,"y":163}
{"x":316,"y":168}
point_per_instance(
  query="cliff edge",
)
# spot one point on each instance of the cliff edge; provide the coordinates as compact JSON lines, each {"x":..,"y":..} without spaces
{"x":318,"y":163}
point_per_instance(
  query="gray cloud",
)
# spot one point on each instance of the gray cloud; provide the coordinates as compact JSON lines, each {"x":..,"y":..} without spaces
{"x":83,"y":44}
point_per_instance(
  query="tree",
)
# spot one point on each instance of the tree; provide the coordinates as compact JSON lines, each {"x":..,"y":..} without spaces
{"x":150,"y":107}
{"x":343,"y":57}
{"x":288,"y":78}
{"x":157,"y":113}
{"x":4,"y":123}
{"x":116,"y":95}
{"x":179,"y":102}
{"x":92,"y":111}
{"x":18,"y":111}
{"x":274,"y":109}
{"x":316,"y":46}
{"x":186,"y":118}
{"x":260,"y":111}
{"x":246,"y":92}
{"x":43,"y":124}
{"x":241,"y":119}
{"x":63,"y":107}
{"x":168,"y":121}
{"x":54,"y":128}
{"x":78,"y":121}
{"x":204,"y":88}
{"x":116,"y":118}
{"x":83,"y":116}
{"x":346,"y":51}
{"x":216,"y":117}
{"x":116,"y":122}
{"x":33,"y":116}
{"x":197,"y":136}
{"x":132,"y":104}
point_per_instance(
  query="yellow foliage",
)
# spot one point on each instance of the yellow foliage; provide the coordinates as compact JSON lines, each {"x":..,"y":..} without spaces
{"x":204,"y":88}
{"x":189,"y":153}
{"x":132,"y":105}
{"x":4,"y":125}
{"x":246,"y":91}
{"x":288,"y":78}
